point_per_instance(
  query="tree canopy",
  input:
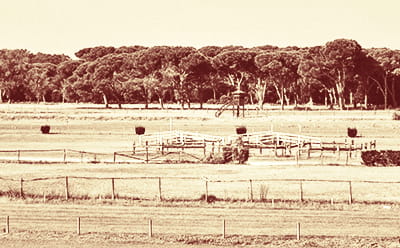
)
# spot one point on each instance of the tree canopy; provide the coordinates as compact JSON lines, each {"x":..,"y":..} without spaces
{"x":337,"y":73}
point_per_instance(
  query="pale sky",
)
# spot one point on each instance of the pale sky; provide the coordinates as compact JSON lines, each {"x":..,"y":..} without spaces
{"x":66,"y":26}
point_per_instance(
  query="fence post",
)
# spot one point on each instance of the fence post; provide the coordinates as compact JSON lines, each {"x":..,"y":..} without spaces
{"x":206,"y":196}
{"x":251,"y":190}
{"x":18,"y":155}
{"x":78,"y":226}
{"x":66,"y":189}
{"x":322,"y":156}
{"x":147,"y":151}
{"x":298,"y":231}
{"x":301,"y":192}
{"x":21,"y":187}
{"x":150,"y":228}
{"x":7,"y":224}
{"x":350,"y":193}
{"x":223,"y":229}
{"x":64,"y":155}
{"x":297,"y":158}
{"x":115,"y":157}
{"x":159,"y":189}
{"x":112,"y":189}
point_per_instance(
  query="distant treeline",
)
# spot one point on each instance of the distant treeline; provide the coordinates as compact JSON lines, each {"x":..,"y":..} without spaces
{"x":338,"y":73}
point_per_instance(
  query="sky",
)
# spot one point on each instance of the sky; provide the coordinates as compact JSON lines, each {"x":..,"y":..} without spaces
{"x":66,"y":26}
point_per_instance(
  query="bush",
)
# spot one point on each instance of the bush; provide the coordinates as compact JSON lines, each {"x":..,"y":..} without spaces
{"x":241,"y":130}
{"x":45,"y":129}
{"x":140,"y":130}
{"x":227,"y":154}
{"x":381,"y":158}
{"x":396,"y":116}
{"x":352,"y":132}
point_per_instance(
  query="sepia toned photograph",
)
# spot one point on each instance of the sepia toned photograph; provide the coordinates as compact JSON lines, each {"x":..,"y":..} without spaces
{"x":199,"y":123}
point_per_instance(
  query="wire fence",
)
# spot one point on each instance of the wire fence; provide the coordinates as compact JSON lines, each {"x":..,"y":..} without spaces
{"x":206,"y":189}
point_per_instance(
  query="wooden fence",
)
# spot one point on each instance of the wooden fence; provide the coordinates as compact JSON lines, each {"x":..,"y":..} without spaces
{"x":208,"y":190}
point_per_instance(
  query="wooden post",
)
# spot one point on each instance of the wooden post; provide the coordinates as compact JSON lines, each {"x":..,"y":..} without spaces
{"x":65,"y":156}
{"x":206,"y":195}
{"x":66,"y":189}
{"x":322,"y":156}
{"x":273,"y":203}
{"x":350,"y":193}
{"x":332,"y":201}
{"x":18,"y":155}
{"x":301,"y":192}
{"x":338,"y":151}
{"x":7,"y":224}
{"x":347,"y":157}
{"x":112,"y":189}
{"x":159,"y":189}
{"x":223,"y":229}
{"x":147,"y":151}
{"x":150,"y":228}
{"x":297,"y":159}
{"x":309,"y":151}
{"x":298,"y":231}
{"x":78,"y":226}
{"x":21,"y":188}
{"x":251,"y":190}
{"x":81,"y":156}
{"x":44,"y":197}
{"x":114,"y":158}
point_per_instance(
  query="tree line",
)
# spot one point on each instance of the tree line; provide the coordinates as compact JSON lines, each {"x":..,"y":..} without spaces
{"x":337,"y":74}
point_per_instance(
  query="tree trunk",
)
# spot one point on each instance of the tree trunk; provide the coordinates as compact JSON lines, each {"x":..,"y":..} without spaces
{"x":385,"y":97}
{"x":160,"y":100}
{"x":393,"y":94}
{"x":105,"y":100}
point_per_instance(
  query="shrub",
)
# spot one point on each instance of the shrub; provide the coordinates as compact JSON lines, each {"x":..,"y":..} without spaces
{"x":140,"y":130}
{"x":45,"y":129}
{"x":243,"y":155}
{"x":214,"y":159}
{"x":210,"y":198}
{"x":396,"y":116}
{"x":227,"y":154}
{"x":381,"y":158}
{"x":352,"y":132}
{"x":241,"y":130}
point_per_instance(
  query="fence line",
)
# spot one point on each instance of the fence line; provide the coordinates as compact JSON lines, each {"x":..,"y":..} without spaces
{"x":162,"y":188}
{"x":294,"y":229}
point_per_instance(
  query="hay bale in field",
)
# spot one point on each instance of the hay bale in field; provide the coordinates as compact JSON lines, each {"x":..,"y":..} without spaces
{"x":140,"y":130}
{"x":241,"y":130}
{"x":352,"y":132}
{"x":45,"y":129}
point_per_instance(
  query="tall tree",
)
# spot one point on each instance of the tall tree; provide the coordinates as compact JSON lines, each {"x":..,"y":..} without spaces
{"x":333,"y":65}
{"x":389,"y":60}
{"x":280,"y":69}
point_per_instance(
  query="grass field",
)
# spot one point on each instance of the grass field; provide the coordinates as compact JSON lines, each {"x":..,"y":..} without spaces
{"x":94,"y":129}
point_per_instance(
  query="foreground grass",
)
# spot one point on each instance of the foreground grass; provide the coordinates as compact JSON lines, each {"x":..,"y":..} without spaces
{"x":69,"y":239}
